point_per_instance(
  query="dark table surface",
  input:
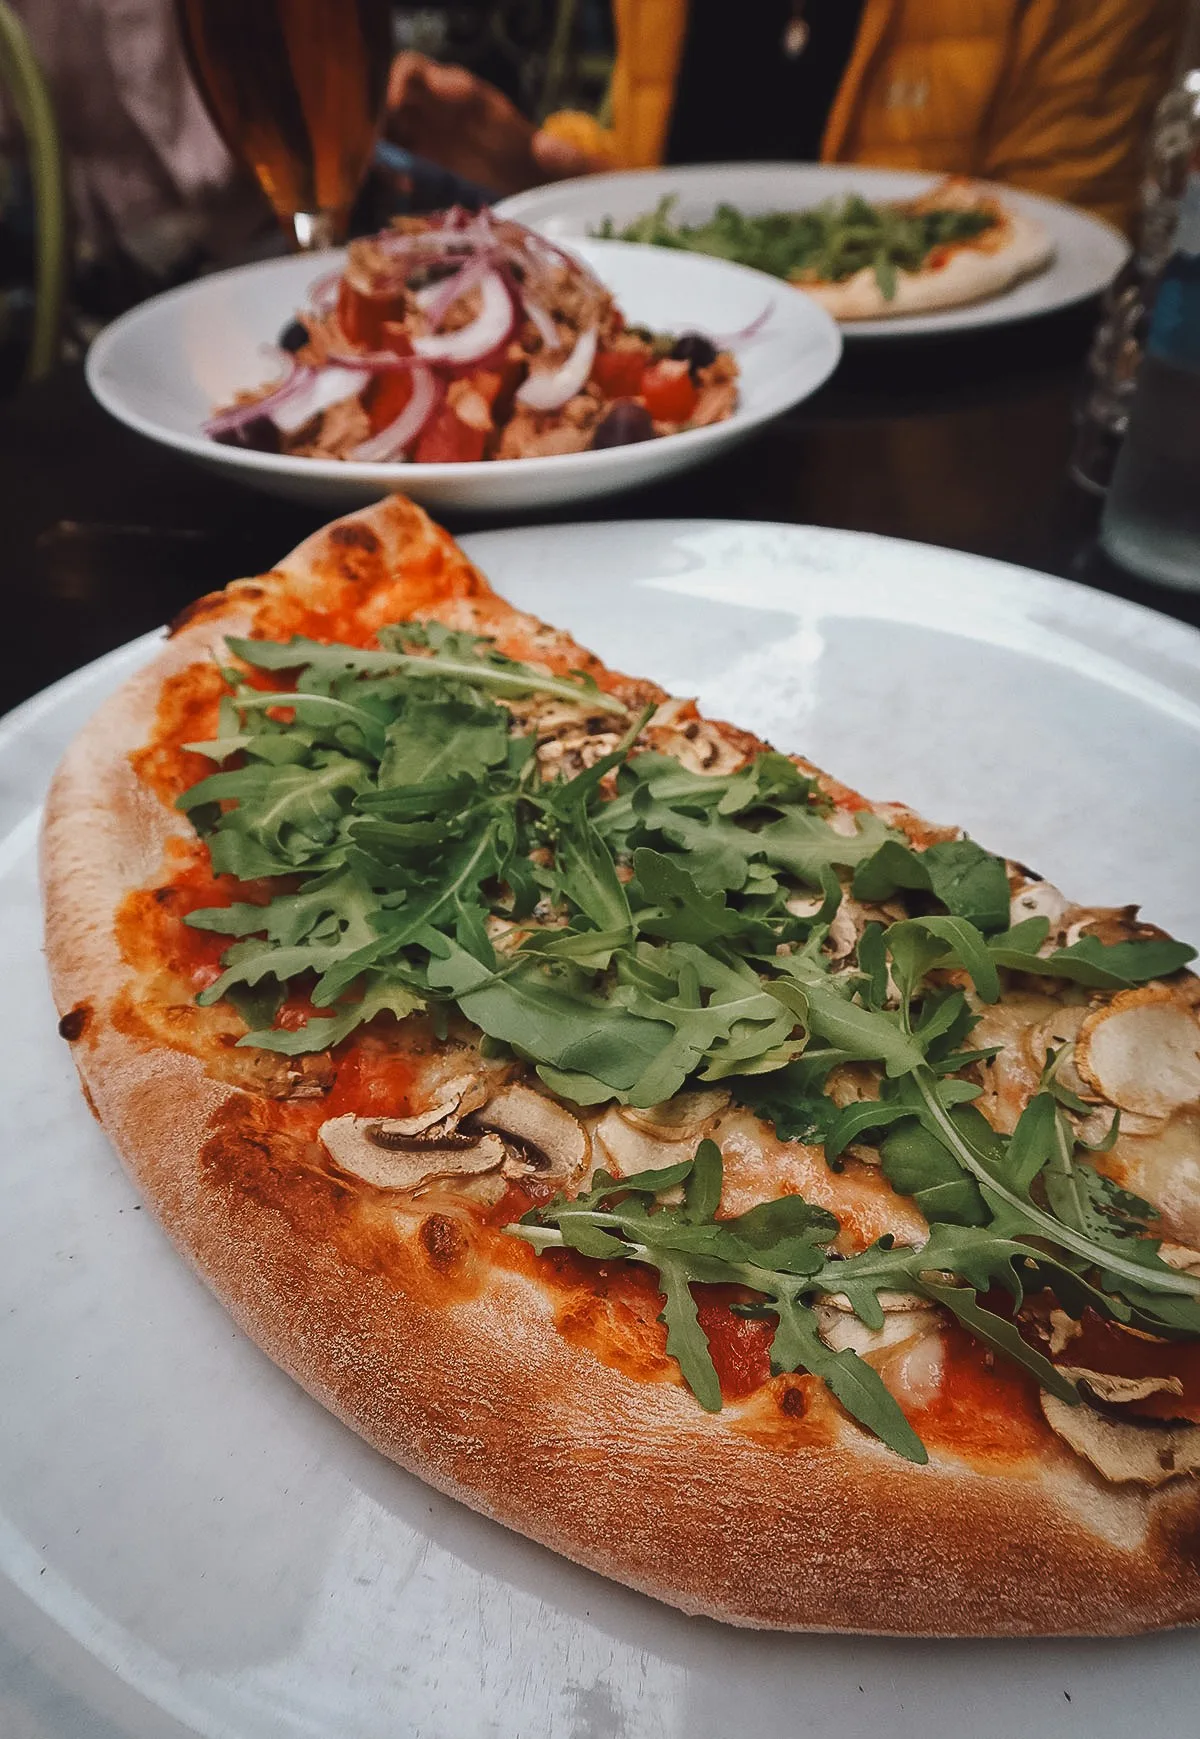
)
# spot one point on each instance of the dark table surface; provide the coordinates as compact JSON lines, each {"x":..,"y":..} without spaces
{"x":959,"y":441}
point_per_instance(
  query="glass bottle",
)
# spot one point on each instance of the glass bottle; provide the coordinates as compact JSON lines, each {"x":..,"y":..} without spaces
{"x":1151,"y":522}
{"x":1116,"y":351}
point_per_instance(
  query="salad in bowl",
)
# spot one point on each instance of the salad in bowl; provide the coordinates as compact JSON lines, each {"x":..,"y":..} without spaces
{"x":461,"y":337}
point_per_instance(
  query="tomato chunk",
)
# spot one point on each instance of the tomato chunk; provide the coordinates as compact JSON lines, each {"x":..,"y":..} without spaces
{"x":362,"y":316}
{"x":618,"y":373}
{"x":446,"y":439}
{"x":668,"y":392}
{"x":385,"y":397}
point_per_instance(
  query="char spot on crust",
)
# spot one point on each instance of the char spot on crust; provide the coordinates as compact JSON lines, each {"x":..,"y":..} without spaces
{"x":208,"y":605}
{"x":211,"y":604}
{"x":354,"y":536}
{"x":792,"y":1402}
{"x":443,"y":1241}
{"x":358,"y":555}
{"x":74,"y":1023}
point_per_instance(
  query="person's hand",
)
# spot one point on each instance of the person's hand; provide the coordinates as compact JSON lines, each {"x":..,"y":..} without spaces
{"x":448,"y":116}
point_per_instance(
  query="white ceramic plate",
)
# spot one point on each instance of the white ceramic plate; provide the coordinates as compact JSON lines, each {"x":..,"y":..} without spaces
{"x":1089,"y":253}
{"x":190,"y":1546}
{"x":164,"y":367}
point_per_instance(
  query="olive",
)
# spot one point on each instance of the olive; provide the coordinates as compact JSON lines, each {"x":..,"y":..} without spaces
{"x":260,"y":435}
{"x":294,"y":336}
{"x":694,"y":349}
{"x":625,"y":423}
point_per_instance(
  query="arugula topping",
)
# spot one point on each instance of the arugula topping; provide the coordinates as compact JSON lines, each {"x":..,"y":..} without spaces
{"x":828,"y":243}
{"x":630,"y":927}
{"x":780,"y":1252}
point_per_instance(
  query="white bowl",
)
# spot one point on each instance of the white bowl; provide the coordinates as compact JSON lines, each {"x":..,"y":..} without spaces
{"x":164,"y":367}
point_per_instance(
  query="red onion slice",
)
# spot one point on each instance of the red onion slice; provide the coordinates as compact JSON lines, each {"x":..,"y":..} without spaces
{"x":552,"y":388}
{"x":726,"y":340}
{"x":390,"y":442}
{"x":547,"y":331}
{"x":373,"y":361}
{"x":329,"y":387}
{"x":297,"y":379}
{"x":437,"y":300}
{"x":323,"y":295}
{"x":485,"y":333}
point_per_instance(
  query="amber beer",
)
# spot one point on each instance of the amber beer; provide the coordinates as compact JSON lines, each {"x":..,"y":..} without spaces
{"x":296,"y":89}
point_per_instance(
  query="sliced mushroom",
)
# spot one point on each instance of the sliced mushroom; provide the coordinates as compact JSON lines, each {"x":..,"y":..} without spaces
{"x":1142,"y":1051}
{"x":889,"y":1302}
{"x":1116,"y":1391}
{"x":1038,"y":900}
{"x":911,"y":1337}
{"x":843,"y":932}
{"x":1124,"y":1451}
{"x":1165,"y":1169}
{"x":1058,"y":1031}
{"x":683,"y":1118}
{"x":1063,"y":1330}
{"x":367,"y":1148}
{"x":841,"y":1329}
{"x":625,"y":1150}
{"x":455,"y":1100}
{"x":1180,"y":1256}
{"x":914,"y":1373}
{"x":541,"y":1134}
{"x":1105,"y":923}
{"x":698,"y":744}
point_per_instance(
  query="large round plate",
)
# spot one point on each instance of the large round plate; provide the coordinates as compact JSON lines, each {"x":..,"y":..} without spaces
{"x":1088,"y":255}
{"x":164,"y":367}
{"x":190,"y":1546}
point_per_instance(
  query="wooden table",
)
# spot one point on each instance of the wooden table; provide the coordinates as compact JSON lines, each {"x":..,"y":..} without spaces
{"x":961,"y":442}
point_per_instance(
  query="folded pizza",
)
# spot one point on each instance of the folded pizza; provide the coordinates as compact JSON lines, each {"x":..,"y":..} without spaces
{"x":755,"y":1193}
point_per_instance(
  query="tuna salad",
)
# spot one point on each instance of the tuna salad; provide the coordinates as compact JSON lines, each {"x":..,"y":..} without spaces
{"x":461,"y":336}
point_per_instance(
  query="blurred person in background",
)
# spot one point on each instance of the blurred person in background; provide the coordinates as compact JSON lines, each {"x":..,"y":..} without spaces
{"x":153,"y":193}
{"x":1053,"y":95}
{"x":1050,"y":95}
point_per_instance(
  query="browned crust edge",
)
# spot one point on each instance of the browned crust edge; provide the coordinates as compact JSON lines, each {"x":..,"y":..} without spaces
{"x":490,"y":1403}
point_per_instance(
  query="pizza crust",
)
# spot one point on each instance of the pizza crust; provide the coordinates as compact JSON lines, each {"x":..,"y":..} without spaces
{"x":972,"y":273}
{"x":760,"y":1515}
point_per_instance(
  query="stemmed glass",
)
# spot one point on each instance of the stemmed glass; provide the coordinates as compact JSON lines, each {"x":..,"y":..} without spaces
{"x":296,"y":89}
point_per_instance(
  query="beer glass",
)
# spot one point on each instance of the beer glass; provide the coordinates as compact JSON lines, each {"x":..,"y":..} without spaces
{"x":296,"y":89}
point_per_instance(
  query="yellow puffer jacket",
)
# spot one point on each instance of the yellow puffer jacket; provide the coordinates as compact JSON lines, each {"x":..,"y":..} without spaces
{"x":1053,"y":95}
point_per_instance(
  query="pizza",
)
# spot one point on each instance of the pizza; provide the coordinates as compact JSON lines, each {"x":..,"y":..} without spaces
{"x":760,"y":1195}
{"x":959,"y":242}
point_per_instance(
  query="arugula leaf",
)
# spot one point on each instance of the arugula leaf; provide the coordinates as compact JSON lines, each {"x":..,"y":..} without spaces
{"x":436,"y":739}
{"x":1099,"y":965}
{"x":856,"y":1384}
{"x":774,"y":1249}
{"x":674,"y":908}
{"x":474,"y":662}
{"x":999,"y":1333}
{"x":917,"y":1164}
{"x":971,"y":883}
{"x":686,"y":1342}
{"x":828,"y":242}
{"x":791,"y":1097}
